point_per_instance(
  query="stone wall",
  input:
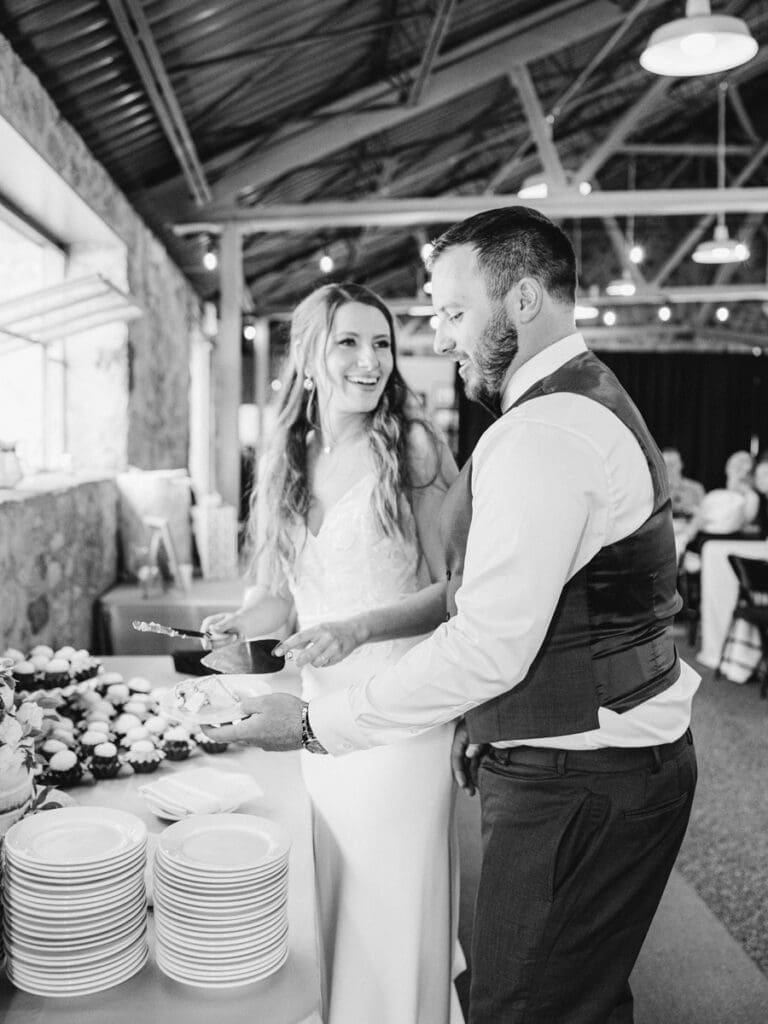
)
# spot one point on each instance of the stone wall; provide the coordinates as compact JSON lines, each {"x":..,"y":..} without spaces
{"x":58,"y":553}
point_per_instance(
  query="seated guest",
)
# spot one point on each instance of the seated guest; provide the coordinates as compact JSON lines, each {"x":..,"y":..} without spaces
{"x":738,"y":477}
{"x":761,"y":487}
{"x":686,"y":494}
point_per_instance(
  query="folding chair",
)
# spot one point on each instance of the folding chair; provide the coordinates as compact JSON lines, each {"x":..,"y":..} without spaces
{"x":752,"y":608}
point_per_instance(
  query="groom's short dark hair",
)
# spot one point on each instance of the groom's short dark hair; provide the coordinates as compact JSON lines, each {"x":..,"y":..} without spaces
{"x":515,"y":242}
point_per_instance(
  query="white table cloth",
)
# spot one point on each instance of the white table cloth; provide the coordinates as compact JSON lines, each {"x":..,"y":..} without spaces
{"x":292,"y":994}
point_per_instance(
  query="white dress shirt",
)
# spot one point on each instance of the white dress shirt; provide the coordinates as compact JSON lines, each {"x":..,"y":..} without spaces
{"x":553,"y":482}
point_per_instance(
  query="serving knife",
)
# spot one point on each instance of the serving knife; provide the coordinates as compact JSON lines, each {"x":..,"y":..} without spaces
{"x":157,"y":627}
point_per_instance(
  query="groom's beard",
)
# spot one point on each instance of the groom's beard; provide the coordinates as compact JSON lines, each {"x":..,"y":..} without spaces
{"x":495,"y":350}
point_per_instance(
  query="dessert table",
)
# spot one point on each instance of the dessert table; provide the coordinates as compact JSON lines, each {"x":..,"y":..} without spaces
{"x":292,"y":994}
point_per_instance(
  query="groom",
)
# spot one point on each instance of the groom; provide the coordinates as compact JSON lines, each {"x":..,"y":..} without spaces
{"x":558,"y":652}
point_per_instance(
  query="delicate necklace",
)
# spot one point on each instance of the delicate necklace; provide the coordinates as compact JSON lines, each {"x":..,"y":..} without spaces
{"x":340,"y":442}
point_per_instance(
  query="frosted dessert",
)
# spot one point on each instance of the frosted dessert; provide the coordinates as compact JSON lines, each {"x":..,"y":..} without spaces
{"x":209,"y":700}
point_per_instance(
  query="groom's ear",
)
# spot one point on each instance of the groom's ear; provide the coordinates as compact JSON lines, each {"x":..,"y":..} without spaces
{"x":524,"y":300}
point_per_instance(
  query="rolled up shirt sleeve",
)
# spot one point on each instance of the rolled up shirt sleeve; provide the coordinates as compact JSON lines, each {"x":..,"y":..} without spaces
{"x":540,"y":512}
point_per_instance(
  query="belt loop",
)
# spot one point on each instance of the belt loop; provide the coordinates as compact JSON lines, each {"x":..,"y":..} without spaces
{"x":562,"y":757}
{"x":656,"y":761}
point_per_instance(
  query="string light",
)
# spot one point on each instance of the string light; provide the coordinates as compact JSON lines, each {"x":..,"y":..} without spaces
{"x":326,"y":263}
{"x":210,"y":256}
{"x":664,"y":314}
{"x":722,"y":313}
{"x":609,"y":318}
{"x":249,"y":332}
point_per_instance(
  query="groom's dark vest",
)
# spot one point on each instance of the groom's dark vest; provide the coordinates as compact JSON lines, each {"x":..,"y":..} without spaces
{"x":609,"y":643}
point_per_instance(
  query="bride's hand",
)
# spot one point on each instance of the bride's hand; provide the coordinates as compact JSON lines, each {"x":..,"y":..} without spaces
{"x":222,"y":628}
{"x":325,"y":644}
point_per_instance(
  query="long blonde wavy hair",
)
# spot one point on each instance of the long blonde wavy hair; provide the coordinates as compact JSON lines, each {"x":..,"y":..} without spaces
{"x":285,"y":476}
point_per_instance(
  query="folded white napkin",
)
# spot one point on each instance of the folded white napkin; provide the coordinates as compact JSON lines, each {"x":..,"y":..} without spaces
{"x":199,"y":791}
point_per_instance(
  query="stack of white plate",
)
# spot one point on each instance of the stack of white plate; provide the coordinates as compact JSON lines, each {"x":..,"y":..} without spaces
{"x":74,"y":900}
{"x":220,"y":895}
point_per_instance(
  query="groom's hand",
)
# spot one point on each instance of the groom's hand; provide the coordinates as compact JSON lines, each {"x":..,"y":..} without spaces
{"x":465,"y":758}
{"x":273,"y":723}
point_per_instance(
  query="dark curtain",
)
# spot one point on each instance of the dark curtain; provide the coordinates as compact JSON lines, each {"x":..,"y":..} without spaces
{"x":707,"y":405}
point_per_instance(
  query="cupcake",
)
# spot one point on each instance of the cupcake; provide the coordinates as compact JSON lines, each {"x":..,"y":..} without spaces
{"x":107,"y":679}
{"x":63,"y":770}
{"x":124,"y":722}
{"x":139,"y":685}
{"x":65,"y":652}
{"x":144,"y":756}
{"x":117,"y":694}
{"x":89,"y":741}
{"x":41,"y":651}
{"x":176,"y":743}
{"x":13,"y":654}
{"x":56,"y":673}
{"x":52,"y":746}
{"x":24,"y":674}
{"x":84,"y":666}
{"x":104,"y":762}
{"x":136,"y":707}
{"x":209,"y":746}
{"x":157,"y":724}
{"x":138,"y":732}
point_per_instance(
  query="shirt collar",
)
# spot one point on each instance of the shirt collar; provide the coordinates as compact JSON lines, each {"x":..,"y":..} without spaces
{"x":541,"y":365}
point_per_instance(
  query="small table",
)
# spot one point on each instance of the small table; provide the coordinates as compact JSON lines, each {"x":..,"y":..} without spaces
{"x":116,"y":610}
{"x":292,"y":994}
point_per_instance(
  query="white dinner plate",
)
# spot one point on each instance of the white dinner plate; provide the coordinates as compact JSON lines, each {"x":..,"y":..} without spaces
{"x":49,"y":955}
{"x":214,"y":913}
{"x":229,"y":883}
{"x":74,"y":836}
{"x":52,"y":939}
{"x":241,"y":685}
{"x":196,"y":981}
{"x":203,"y":944}
{"x":58,"y":877}
{"x":229,"y":843}
{"x":66,"y":931}
{"x":237,"y":933}
{"x":33,"y":983}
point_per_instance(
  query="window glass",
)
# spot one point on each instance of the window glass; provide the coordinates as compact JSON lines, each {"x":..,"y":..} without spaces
{"x":32,"y":377}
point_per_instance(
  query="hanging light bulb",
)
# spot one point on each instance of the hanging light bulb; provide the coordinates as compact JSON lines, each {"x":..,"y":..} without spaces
{"x":326,"y":263}
{"x":535,"y":186}
{"x":249,"y":332}
{"x":622,"y":286}
{"x":721,"y":248}
{"x":584,"y":312}
{"x":722,"y":313}
{"x":698,"y":44}
{"x":609,"y":318}
{"x":664,"y":314}
{"x":636,"y":254}
{"x":210,"y":256}
{"x":427,"y":287}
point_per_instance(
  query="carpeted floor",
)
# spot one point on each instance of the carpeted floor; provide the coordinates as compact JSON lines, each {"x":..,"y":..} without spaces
{"x":725,"y":851}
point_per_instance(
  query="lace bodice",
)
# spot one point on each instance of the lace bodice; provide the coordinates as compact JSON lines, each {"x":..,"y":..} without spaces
{"x":350,"y":566}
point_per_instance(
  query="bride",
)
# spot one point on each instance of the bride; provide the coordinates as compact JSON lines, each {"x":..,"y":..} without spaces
{"x":344,"y":521}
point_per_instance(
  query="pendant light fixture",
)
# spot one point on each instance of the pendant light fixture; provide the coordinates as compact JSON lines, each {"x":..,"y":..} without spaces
{"x":721,"y":248}
{"x":701,"y":43}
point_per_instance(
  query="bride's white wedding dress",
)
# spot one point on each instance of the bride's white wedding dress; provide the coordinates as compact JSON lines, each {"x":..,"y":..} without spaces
{"x":385,"y":849}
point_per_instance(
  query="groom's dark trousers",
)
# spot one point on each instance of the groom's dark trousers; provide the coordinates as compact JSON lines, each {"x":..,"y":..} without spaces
{"x":577,"y":849}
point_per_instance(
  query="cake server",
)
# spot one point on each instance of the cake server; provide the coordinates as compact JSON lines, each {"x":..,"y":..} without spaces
{"x":157,"y":627}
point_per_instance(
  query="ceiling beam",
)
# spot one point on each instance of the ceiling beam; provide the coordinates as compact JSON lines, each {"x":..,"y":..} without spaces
{"x":541,"y":131}
{"x":437,"y":31}
{"x":456,"y":73}
{"x":446,"y":209}
{"x":682,"y":149}
{"x":137,"y":35}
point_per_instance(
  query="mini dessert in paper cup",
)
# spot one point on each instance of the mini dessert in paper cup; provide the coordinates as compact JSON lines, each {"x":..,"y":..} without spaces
{"x":211,"y":700}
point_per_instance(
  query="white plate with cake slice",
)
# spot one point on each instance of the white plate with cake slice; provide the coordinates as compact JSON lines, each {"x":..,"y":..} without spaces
{"x":211,"y":700}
